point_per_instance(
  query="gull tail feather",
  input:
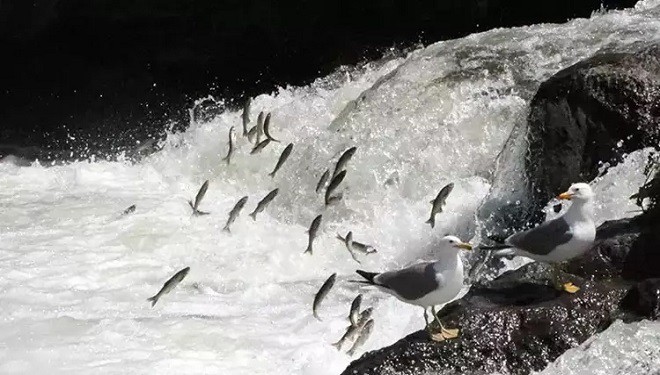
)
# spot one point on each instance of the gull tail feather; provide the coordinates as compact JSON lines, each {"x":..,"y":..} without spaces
{"x":495,"y":247}
{"x":369,"y":276}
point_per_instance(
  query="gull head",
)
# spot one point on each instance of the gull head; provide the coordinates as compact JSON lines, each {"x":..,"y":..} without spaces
{"x":578,"y":192}
{"x":455,"y":243}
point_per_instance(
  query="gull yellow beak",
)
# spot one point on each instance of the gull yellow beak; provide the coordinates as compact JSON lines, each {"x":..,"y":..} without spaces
{"x":464,"y":246}
{"x":565,"y":195}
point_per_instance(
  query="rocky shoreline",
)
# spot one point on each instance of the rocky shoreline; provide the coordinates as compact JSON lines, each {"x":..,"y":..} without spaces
{"x":593,"y":111}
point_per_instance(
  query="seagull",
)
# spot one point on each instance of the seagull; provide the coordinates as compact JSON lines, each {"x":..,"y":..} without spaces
{"x":426,"y":284}
{"x":565,"y":237}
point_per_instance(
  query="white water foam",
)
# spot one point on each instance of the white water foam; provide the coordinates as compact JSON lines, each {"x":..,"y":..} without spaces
{"x":75,"y":274}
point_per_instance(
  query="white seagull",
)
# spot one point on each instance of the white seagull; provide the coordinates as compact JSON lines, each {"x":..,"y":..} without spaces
{"x":565,"y":237}
{"x":426,"y":284}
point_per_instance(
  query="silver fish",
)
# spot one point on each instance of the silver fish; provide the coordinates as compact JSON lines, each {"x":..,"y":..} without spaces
{"x":198,"y":199}
{"x":343,"y":160}
{"x":252,"y":133}
{"x":267,"y":128}
{"x":283,"y":156}
{"x":129,"y":210}
{"x":354,"y":313}
{"x":334,"y":183}
{"x":367,"y":249}
{"x":231,"y":146}
{"x":349,"y":245}
{"x":263,"y":203}
{"x":320,"y":295}
{"x":353,"y":330}
{"x":233,"y":214}
{"x":324,"y":178}
{"x":246,"y":115}
{"x":438,"y":202}
{"x":313,"y":229}
{"x":365,"y":332}
{"x":169,"y":285}
{"x":260,"y":146}
{"x":260,"y":126}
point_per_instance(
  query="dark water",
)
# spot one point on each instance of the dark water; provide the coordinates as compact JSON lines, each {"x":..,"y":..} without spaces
{"x":98,"y":75}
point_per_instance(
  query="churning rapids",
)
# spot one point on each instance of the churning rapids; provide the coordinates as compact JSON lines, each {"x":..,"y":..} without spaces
{"x":75,"y":275}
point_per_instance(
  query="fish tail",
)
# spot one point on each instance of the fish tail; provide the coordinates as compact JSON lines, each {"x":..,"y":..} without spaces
{"x":337,"y":345}
{"x":431,"y":221}
{"x":153,"y":300}
{"x":226,"y":229}
{"x":191,"y":205}
{"x":272,"y":174}
{"x":254,"y":216}
{"x":309,"y":249}
{"x":351,"y":352}
{"x":317,"y":316}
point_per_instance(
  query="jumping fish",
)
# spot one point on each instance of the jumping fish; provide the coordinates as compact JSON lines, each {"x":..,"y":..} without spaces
{"x":334,"y":183}
{"x":267,"y":128}
{"x":324,"y":178}
{"x":313,"y":229}
{"x":353,"y":330}
{"x":285,"y":155}
{"x":246,"y":115}
{"x":438,"y":202}
{"x":263,"y":203}
{"x":354,"y":313}
{"x":233,"y":214}
{"x":169,"y":285}
{"x":260,"y":146}
{"x":129,"y":210}
{"x":231,"y":146}
{"x":343,"y":160}
{"x":365,"y":332}
{"x":320,"y":295}
{"x":367,"y":249}
{"x":349,"y":245}
{"x":198,"y":199}
{"x":260,"y":126}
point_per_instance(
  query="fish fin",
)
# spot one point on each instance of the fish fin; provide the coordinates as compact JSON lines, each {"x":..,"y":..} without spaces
{"x":153,"y":300}
{"x":201,"y":213}
{"x":431,"y":221}
{"x":369,"y":276}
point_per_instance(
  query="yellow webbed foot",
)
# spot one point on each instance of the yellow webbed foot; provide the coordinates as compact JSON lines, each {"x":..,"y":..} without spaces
{"x":445,"y":334}
{"x":570,"y":288}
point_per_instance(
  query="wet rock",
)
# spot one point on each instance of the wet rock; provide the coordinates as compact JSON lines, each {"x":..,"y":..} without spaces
{"x":512,"y":325}
{"x":626,"y":248}
{"x":591,"y":113}
{"x":644,"y":299}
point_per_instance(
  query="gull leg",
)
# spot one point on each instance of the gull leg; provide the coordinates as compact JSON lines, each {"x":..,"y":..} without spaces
{"x":445,"y":333}
{"x":568,"y":287}
{"x":426,"y":320}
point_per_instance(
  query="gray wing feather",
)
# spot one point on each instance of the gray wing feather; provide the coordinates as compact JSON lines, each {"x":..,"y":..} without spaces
{"x":412,"y":282}
{"x":543,"y":239}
